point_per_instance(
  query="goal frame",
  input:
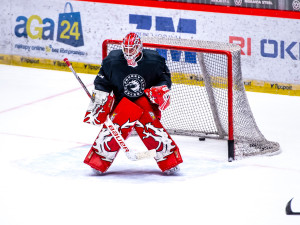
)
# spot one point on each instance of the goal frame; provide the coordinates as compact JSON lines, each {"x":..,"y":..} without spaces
{"x":231,"y":152}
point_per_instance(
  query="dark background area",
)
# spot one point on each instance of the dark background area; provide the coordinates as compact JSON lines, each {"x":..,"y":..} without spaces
{"x":291,"y":5}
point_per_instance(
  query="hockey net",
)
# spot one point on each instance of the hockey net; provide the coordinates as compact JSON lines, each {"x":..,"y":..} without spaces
{"x":208,"y":97}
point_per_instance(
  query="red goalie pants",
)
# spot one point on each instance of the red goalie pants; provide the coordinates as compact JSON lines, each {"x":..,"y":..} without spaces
{"x":139,"y":115}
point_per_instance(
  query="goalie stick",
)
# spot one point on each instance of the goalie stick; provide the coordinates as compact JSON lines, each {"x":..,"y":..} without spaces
{"x":113,"y":130}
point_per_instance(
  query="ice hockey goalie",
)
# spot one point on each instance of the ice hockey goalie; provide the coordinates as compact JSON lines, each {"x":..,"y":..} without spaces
{"x":132,"y":88}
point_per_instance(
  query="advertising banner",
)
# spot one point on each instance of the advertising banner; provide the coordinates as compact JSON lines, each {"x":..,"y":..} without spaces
{"x":41,"y":31}
{"x":263,"y":4}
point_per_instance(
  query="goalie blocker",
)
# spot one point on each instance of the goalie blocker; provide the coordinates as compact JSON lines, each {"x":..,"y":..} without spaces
{"x":100,"y":105}
{"x":141,"y":116}
{"x":159,"y":95}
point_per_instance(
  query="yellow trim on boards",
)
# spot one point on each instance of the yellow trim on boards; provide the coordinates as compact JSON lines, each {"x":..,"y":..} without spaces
{"x":48,"y":64}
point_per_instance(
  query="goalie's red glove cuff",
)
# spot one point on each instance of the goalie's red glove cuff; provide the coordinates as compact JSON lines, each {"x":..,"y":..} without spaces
{"x":159,"y":95}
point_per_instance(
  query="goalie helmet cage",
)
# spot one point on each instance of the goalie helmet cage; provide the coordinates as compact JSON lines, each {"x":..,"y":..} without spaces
{"x":208,"y":94}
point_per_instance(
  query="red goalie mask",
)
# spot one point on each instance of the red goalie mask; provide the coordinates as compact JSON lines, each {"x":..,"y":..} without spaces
{"x":132,"y":47}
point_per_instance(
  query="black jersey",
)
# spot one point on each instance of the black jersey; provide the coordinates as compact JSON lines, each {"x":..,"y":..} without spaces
{"x":130,"y":82}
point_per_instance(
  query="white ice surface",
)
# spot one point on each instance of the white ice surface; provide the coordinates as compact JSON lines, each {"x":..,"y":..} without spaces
{"x":43,"y":180}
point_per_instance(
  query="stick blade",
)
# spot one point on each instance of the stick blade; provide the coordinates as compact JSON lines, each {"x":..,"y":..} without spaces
{"x":134,"y":156}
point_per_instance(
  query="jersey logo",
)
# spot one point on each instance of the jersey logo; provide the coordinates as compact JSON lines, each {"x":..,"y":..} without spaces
{"x":134,"y":85}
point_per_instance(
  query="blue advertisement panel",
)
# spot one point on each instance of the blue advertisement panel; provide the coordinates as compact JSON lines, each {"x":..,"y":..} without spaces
{"x":69,"y":27}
